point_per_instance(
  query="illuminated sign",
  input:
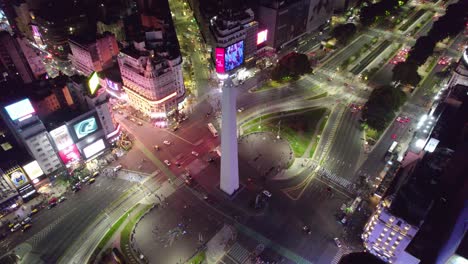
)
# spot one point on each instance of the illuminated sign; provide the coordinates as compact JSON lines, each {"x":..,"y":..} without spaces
{"x":20,"y":109}
{"x":18,"y":177}
{"x":33,"y":170}
{"x":61,"y":137}
{"x":262,"y":36}
{"x":69,"y":154}
{"x":93,"y":83}
{"x":219,"y":60}
{"x":431,"y":145}
{"x":112,"y":85}
{"x":234,"y":56}
{"x":85,"y":127}
{"x":94,"y":148}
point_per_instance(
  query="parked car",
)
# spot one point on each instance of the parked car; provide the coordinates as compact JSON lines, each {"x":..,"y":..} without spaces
{"x":16,"y":227}
{"x":167,"y":142}
{"x":51,"y":205}
{"x":62,"y":199}
{"x":139,"y":123}
{"x":33,"y":212}
{"x":91,"y":181}
{"x":195,"y":153}
{"x":117,"y":168}
{"x":26,"y":220}
{"x":26,"y":227}
{"x":85,"y":179}
{"x":168,"y":163}
{"x":337,"y":242}
{"x":267,"y":193}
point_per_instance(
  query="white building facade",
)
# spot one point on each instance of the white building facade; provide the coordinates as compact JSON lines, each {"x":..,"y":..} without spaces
{"x":387,"y":236}
{"x":153,"y":82}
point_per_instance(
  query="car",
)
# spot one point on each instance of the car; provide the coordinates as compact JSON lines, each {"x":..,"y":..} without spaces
{"x":195,"y":153}
{"x":91,"y":181}
{"x":156,"y":147}
{"x":51,"y":205}
{"x":337,"y":242}
{"x":132,"y":119}
{"x":16,"y":227}
{"x":166,"y":142}
{"x":267,"y":193}
{"x":85,"y":179}
{"x":394,"y":136}
{"x":117,"y":168}
{"x":95,"y":174}
{"x":76,"y":188}
{"x":63,"y":198}
{"x":26,"y":227}
{"x":139,"y":123}
{"x":33,"y":212}
{"x":240,"y":109}
{"x":307,"y":230}
{"x":188,"y":180}
{"x":26,"y":220}
{"x":174,"y":129}
{"x":168,"y":163}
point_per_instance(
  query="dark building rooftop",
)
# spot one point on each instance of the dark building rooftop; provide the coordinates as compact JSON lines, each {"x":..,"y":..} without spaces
{"x":11,"y":153}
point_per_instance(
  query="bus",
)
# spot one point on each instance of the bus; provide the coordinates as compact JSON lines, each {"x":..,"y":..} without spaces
{"x":391,"y":150}
{"x":213,"y":130}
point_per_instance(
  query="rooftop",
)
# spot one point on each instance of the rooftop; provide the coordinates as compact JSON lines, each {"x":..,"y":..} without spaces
{"x":11,"y":153}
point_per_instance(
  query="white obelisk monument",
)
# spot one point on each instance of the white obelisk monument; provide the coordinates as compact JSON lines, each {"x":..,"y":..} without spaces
{"x":229,"y":182}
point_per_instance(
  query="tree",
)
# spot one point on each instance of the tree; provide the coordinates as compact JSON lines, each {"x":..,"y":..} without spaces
{"x":293,"y":65}
{"x":344,"y":32}
{"x":421,"y":50}
{"x":381,"y":106}
{"x":406,"y":73}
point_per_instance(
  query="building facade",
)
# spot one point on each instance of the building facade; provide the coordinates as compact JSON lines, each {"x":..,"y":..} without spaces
{"x":286,"y":20}
{"x":152,"y":81}
{"x":93,"y":55}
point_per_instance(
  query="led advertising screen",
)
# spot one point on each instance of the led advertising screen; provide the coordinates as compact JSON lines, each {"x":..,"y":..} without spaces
{"x":93,"y":83}
{"x":112,"y":85}
{"x":61,"y":137}
{"x":94,"y":148}
{"x":33,"y":170}
{"x":69,"y":154}
{"x":234,"y":56}
{"x":18,"y":177}
{"x":85,"y":127}
{"x":262,"y":36}
{"x":20,"y":109}
{"x":219,"y":53}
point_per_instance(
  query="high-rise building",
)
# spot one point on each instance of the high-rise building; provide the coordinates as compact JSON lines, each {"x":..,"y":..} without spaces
{"x":19,"y":59}
{"x":286,"y":20}
{"x":320,"y":11}
{"x":233,"y":26}
{"x":460,"y":74}
{"x":93,"y":55}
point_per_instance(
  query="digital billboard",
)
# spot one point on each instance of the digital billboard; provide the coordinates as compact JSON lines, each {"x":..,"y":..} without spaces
{"x":20,"y":109}
{"x":33,"y":170}
{"x":85,"y":127}
{"x":69,"y":154}
{"x":262,"y":36}
{"x":18,"y":177}
{"x":93,"y":83}
{"x":61,"y":137}
{"x":112,"y":85}
{"x":219,"y":53}
{"x":94,"y":148}
{"x":234,"y":56}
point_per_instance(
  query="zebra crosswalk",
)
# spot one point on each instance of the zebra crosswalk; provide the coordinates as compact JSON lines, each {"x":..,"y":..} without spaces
{"x":238,"y":253}
{"x":37,"y":238}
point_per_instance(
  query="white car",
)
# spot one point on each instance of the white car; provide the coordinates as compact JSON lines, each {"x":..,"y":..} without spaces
{"x":267,"y":193}
{"x":117,"y":168}
{"x":16,"y":227}
{"x":195,"y":153}
{"x":168,"y":163}
{"x":166,"y":142}
{"x":337,"y":242}
{"x":26,"y":220}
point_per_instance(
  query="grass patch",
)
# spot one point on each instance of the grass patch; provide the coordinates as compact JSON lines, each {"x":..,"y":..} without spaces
{"x":127,"y":229}
{"x":318,"y":96}
{"x":372,"y":135}
{"x":198,"y":258}
{"x":297,"y":129}
{"x":271,"y":85}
